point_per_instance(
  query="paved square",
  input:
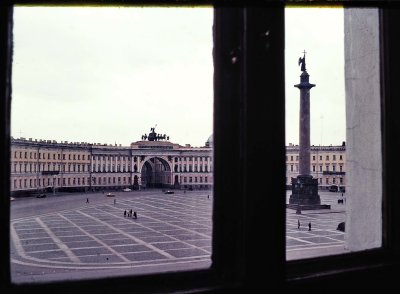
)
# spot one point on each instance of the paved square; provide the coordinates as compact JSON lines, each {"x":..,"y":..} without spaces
{"x":62,"y":236}
{"x":170,"y":229}
{"x":324,"y":238}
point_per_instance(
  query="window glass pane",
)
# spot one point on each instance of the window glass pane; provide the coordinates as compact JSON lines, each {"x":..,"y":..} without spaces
{"x":110,"y":103}
{"x":333,"y":135}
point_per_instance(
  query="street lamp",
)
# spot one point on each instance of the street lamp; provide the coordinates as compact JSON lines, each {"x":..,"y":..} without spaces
{"x":54,"y":184}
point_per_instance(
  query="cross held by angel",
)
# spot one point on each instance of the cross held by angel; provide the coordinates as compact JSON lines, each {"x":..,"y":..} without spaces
{"x":302,"y":61}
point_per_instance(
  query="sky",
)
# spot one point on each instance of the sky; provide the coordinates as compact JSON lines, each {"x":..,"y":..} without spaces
{"x":108,"y":75}
{"x":320,"y":32}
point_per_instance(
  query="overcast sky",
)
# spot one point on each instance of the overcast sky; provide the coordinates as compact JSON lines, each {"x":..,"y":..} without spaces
{"x":107,"y":75}
{"x":320,"y":32}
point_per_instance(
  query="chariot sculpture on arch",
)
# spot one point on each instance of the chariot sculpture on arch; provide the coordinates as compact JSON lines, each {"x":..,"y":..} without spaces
{"x":153,"y":136}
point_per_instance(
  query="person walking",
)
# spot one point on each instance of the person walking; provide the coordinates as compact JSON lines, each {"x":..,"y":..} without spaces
{"x":130,"y":213}
{"x":298,"y":224}
{"x":309,"y":226}
{"x":87,"y":200}
{"x":134,"y":215}
{"x":125,"y":213}
{"x":115,"y":201}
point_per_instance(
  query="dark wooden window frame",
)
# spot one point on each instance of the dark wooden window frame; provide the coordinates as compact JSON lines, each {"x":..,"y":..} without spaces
{"x":249,"y":127}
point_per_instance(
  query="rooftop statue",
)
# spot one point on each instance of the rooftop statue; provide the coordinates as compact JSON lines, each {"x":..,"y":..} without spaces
{"x":153,"y":136}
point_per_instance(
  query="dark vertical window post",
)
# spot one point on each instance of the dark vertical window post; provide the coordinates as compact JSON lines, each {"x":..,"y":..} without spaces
{"x":249,"y":97}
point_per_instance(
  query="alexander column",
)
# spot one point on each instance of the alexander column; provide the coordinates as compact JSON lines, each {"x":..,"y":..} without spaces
{"x":304,"y":186}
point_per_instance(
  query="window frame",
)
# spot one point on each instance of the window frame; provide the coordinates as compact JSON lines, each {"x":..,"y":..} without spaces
{"x":248,"y":93}
{"x":380,"y":263}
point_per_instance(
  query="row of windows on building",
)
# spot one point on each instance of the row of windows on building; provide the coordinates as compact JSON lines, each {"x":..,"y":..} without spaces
{"x":191,"y":168}
{"x":113,"y":158}
{"x":45,"y":182}
{"x":32,"y":155}
{"x":58,"y":156}
{"x":328,"y":181}
{"x":295,"y":168}
{"x":177,"y":159}
{"x":33,"y":167}
{"x":314,"y":157}
{"x":192,"y":158}
{"x":190,"y":179}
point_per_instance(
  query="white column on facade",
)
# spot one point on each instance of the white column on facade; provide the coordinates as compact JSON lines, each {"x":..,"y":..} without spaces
{"x":139,"y":169}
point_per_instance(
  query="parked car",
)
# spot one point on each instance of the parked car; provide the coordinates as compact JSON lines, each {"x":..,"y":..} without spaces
{"x":169,"y":192}
{"x":12,"y":198}
{"x":110,"y":195}
{"x":333,"y":188}
{"x":127,"y":190}
{"x":41,"y":195}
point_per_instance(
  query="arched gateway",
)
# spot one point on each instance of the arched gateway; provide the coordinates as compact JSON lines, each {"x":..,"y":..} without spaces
{"x":156,"y":172}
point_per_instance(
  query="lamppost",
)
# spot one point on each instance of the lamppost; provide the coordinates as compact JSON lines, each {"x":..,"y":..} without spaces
{"x":54,"y":184}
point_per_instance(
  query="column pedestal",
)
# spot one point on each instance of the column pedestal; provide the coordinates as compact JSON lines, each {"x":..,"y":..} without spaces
{"x":305,"y":194}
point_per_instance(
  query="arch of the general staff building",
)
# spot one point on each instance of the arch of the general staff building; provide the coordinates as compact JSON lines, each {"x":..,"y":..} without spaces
{"x":50,"y":166}
{"x":156,"y":171}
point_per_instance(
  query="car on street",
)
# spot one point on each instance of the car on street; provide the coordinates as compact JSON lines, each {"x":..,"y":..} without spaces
{"x":169,"y":192}
{"x":41,"y":195}
{"x":12,"y":198}
{"x":110,"y":195}
{"x":333,"y":188}
{"x":127,"y":190}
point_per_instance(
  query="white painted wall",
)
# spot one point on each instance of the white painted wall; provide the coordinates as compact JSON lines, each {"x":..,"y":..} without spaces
{"x":363,"y":124}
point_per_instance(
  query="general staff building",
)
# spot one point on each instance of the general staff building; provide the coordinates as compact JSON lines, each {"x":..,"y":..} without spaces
{"x":50,"y":166}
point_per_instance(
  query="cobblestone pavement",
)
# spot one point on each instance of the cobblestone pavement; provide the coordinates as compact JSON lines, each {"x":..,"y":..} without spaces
{"x":63,"y":237}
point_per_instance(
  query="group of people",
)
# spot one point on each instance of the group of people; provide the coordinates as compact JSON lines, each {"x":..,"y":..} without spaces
{"x":129,"y":214}
{"x":298,"y":225}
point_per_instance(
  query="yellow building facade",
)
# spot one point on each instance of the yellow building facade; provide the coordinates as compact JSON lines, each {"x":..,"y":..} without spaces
{"x":47,"y":165}
{"x":51,"y":166}
{"x":328,"y":165}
